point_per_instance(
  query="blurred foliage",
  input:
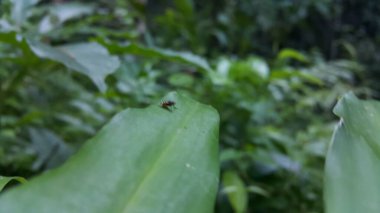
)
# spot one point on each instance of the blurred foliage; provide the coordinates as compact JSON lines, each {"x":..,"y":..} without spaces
{"x":275,"y":101}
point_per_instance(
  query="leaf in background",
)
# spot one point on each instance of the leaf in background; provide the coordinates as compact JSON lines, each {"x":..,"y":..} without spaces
{"x":292,"y":54}
{"x":183,"y":57}
{"x":186,"y":7}
{"x":91,"y":59}
{"x":260,"y":67}
{"x":144,"y":160}
{"x":352,"y":170}
{"x":61,"y":13}
{"x":166,"y":54}
{"x":181,"y":80}
{"x":258,"y":190}
{"x":288,"y":73}
{"x":20,"y":9}
{"x":5,"y":180}
{"x":235,"y":189}
{"x":17,"y":41}
{"x":51,"y":150}
{"x":254,"y":69}
{"x":75,"y":124}
{"x":6,"y":26}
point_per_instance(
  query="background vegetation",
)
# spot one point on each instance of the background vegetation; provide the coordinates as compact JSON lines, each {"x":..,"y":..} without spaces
{"x":273,"y":70}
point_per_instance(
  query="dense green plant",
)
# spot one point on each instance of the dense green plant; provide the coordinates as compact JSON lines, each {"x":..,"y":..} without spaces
{"x":241,"y":27}
{"x":29,"y":139}
{"x":275,"y":111}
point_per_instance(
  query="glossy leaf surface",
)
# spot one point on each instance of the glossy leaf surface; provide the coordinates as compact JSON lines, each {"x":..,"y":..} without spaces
{"x":353,"y":162}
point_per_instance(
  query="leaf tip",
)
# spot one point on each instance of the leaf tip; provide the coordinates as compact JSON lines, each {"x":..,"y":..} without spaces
{"x":340,"y":107}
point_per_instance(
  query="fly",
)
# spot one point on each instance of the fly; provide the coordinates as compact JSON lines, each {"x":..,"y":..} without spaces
{"x":168,"y":105}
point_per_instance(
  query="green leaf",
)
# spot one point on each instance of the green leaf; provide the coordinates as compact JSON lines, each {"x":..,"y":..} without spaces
{"x":181,"y":80}
{"x":50,"y":149}
{"x":287,"y":73}
{"x":20,"y":10}
{"x":253,"y":69}
{"x":292,"y":54}
{"x":258,"y":190}
{"x":144,"y":160}
{"x":5,"y":180}
{"x":235,"y":189}
{"x":17,"y":41}
{"x":136,"y":49}
{"x":91,"y":59}
{"x":166,"y":54}
{"x":186,"y":7}
{"x":60,"y":13}
{"x":353,"y":161}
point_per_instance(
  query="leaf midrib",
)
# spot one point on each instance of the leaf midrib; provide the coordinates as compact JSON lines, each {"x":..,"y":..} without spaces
{"x":137,"y":189}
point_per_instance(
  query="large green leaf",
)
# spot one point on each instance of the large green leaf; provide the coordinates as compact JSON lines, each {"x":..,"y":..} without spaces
{"x":144,"y":160}
{"x":352,"y":178}
{"x":91,"y":59}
